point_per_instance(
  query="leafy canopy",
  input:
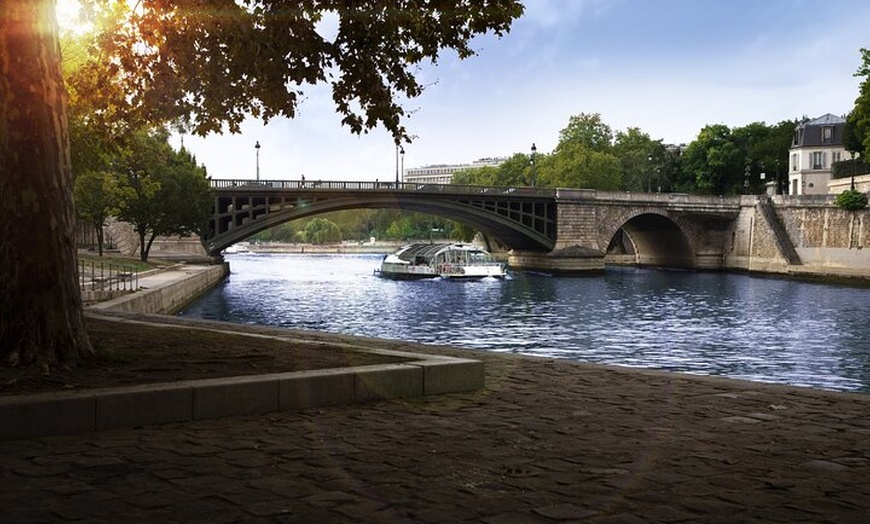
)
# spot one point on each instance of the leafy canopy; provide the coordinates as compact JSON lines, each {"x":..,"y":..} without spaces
{"x":216,"y":62}
{"x":858,"y":121}
{"x":162,"y":191}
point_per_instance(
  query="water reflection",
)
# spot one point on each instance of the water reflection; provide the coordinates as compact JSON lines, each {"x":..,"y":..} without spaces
{"x":719,"y":324}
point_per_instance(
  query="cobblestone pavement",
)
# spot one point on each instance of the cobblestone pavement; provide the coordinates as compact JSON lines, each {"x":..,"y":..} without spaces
{"x":546,"y":441}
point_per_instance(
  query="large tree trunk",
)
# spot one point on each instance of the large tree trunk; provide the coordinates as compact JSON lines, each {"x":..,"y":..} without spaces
{"x":41,"y":313}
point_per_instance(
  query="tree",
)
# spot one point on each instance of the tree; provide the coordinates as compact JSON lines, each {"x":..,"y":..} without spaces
{"x":587,"y":130}
{"x":96,"y":199}
{"x":40,"y":303}
{"x":766,"y":149}
{"x":858,"y":121}
{"x":162,"y":192}
{"x":583,"y":157}
{"x":576,"y":166}
{"x":320,"y":231}
{"x":712,"y":163}
{"x":476,"y":176}
{"x":641,"y":159}
{"x":175,"y":58}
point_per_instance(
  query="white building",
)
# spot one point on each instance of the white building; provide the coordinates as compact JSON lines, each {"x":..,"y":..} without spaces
{"x":817,"y":144}
{"x":443,"y":173}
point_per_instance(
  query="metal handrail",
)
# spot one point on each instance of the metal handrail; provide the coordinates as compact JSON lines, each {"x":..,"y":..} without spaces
{"x":332,"y":185}
{"x":106,"y":276}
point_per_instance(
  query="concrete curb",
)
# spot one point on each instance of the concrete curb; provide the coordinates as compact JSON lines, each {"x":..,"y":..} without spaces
{"x":58,"y":413}
{"x":26,"y":416}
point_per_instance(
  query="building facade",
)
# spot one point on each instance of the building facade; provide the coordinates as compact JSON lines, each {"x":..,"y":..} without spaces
{"x":443,"y":173}
{"x":816,"y":145}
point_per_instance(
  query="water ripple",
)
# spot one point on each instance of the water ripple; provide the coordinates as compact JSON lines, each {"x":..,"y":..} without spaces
{"x":705,"y":323}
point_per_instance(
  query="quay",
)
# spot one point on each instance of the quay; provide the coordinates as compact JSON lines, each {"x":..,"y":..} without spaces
{"x":543,"y":441}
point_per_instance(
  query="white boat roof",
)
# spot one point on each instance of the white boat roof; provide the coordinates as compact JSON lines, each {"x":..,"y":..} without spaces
{"x":428,"y":251}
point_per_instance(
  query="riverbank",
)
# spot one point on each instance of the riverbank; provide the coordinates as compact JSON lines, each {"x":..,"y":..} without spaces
{"x":544,"y":441}
{"x":166,"y":290}
{"x":361,"y":248}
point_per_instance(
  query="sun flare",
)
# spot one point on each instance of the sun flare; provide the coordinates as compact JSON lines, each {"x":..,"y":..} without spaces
{"x":68,"y":16}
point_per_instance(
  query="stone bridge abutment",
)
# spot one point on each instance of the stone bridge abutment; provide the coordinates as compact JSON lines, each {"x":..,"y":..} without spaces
{"x":667,"y":230}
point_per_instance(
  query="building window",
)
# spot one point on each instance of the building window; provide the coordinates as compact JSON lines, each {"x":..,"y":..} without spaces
{"x":818,"y":160}
{"x":836,"y":156}
{"x":827,"y":134}
{"x":794,"y":162}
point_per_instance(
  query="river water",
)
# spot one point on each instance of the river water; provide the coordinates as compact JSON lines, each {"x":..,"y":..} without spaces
{"x":731,"y":325}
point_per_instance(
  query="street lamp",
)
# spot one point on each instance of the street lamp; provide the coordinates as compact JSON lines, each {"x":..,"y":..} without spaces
{"x":779,"y":190}
{"x":649,"y":160}
{"x":257,"y":147}
{"x":402,"y":154}
{"x":852,"y":171}
{"x":746,"y":179}
{"x":534,"y":173}
{"x":397,"y":165}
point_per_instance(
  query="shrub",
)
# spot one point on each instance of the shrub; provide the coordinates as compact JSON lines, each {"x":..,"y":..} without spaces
{"x":851,"y":200}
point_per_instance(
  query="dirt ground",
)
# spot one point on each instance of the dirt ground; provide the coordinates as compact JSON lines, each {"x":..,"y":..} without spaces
{"x":136,"y":353}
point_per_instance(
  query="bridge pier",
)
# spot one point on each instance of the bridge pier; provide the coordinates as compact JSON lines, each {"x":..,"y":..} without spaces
{"x":572,"y":260}
{"x":709,"y":260}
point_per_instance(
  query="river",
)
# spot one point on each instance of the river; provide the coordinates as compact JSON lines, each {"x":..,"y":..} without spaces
{"x":732,"y":325}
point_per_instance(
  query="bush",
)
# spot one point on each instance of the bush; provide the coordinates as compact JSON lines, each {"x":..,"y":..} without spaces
{"x":851,"y":200}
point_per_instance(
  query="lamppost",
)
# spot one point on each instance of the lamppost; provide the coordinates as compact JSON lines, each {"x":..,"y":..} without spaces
{"x":397,"y":165}
{"x":402,"y":154}
{"x":649,"y":160}
{"x":852,"y":171}
{"x":257,"y":147}
{"x":779,"y":188}
{"x":746,"y":179}
{"x":534,"y":172}
{"x":762,"y":176}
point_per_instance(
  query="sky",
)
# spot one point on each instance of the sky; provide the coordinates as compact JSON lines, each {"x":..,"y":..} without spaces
{"x":667,"y":67}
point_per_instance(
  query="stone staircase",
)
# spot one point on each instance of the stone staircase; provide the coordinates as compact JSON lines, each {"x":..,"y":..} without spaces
{"x":783,"y":242}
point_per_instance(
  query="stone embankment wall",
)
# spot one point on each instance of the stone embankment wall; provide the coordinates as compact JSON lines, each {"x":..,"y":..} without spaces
{"x":827,"y":240}
{"x":182,"y":285}
{"x":122,"y":236}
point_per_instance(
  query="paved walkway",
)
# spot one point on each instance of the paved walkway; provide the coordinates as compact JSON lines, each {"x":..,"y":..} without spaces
{"x":545,"y":441}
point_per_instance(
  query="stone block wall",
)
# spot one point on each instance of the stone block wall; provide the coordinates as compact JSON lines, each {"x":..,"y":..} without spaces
{"x":578,"y":225}
{"x":828,"y":240}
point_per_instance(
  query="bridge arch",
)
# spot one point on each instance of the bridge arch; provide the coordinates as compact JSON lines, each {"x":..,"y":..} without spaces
{"x":652,"y":237}
{"x":518,"y":222}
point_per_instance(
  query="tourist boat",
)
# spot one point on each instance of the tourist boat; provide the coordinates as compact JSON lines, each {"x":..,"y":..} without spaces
{"x":241,"y":247}
{"x":449,"y":261}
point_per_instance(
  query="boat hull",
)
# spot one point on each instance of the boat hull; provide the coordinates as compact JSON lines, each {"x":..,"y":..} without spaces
{"x":447,"y":261}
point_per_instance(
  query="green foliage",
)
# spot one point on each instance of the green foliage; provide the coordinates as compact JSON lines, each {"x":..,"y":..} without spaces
{"x":587,"y":131}
{"x":575,"y":166}
{"x":402,"y":229}
{"x":851,"y":200}
{"x":472,"y":176}
{"x":713,"y":163}
{"x":320,"y":231}
{"x":177,"y":59}
{"x":583,"y":157}
{"x":858,"y":122}
{"x":642,"y":161}
{"x":162,"y":192}
{"x":97,"y":198}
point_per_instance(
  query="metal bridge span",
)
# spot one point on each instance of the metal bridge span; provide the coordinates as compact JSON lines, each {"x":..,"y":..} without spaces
{"x":522,"y":218}
{"x":561,"y":230}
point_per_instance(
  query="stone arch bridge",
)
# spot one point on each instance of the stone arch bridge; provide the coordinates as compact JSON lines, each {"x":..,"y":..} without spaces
{"x":556,"y":230}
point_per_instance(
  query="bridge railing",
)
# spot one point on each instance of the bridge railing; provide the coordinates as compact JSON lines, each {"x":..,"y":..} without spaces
{"x":333,"y":185}
{"x":629,"y":196}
